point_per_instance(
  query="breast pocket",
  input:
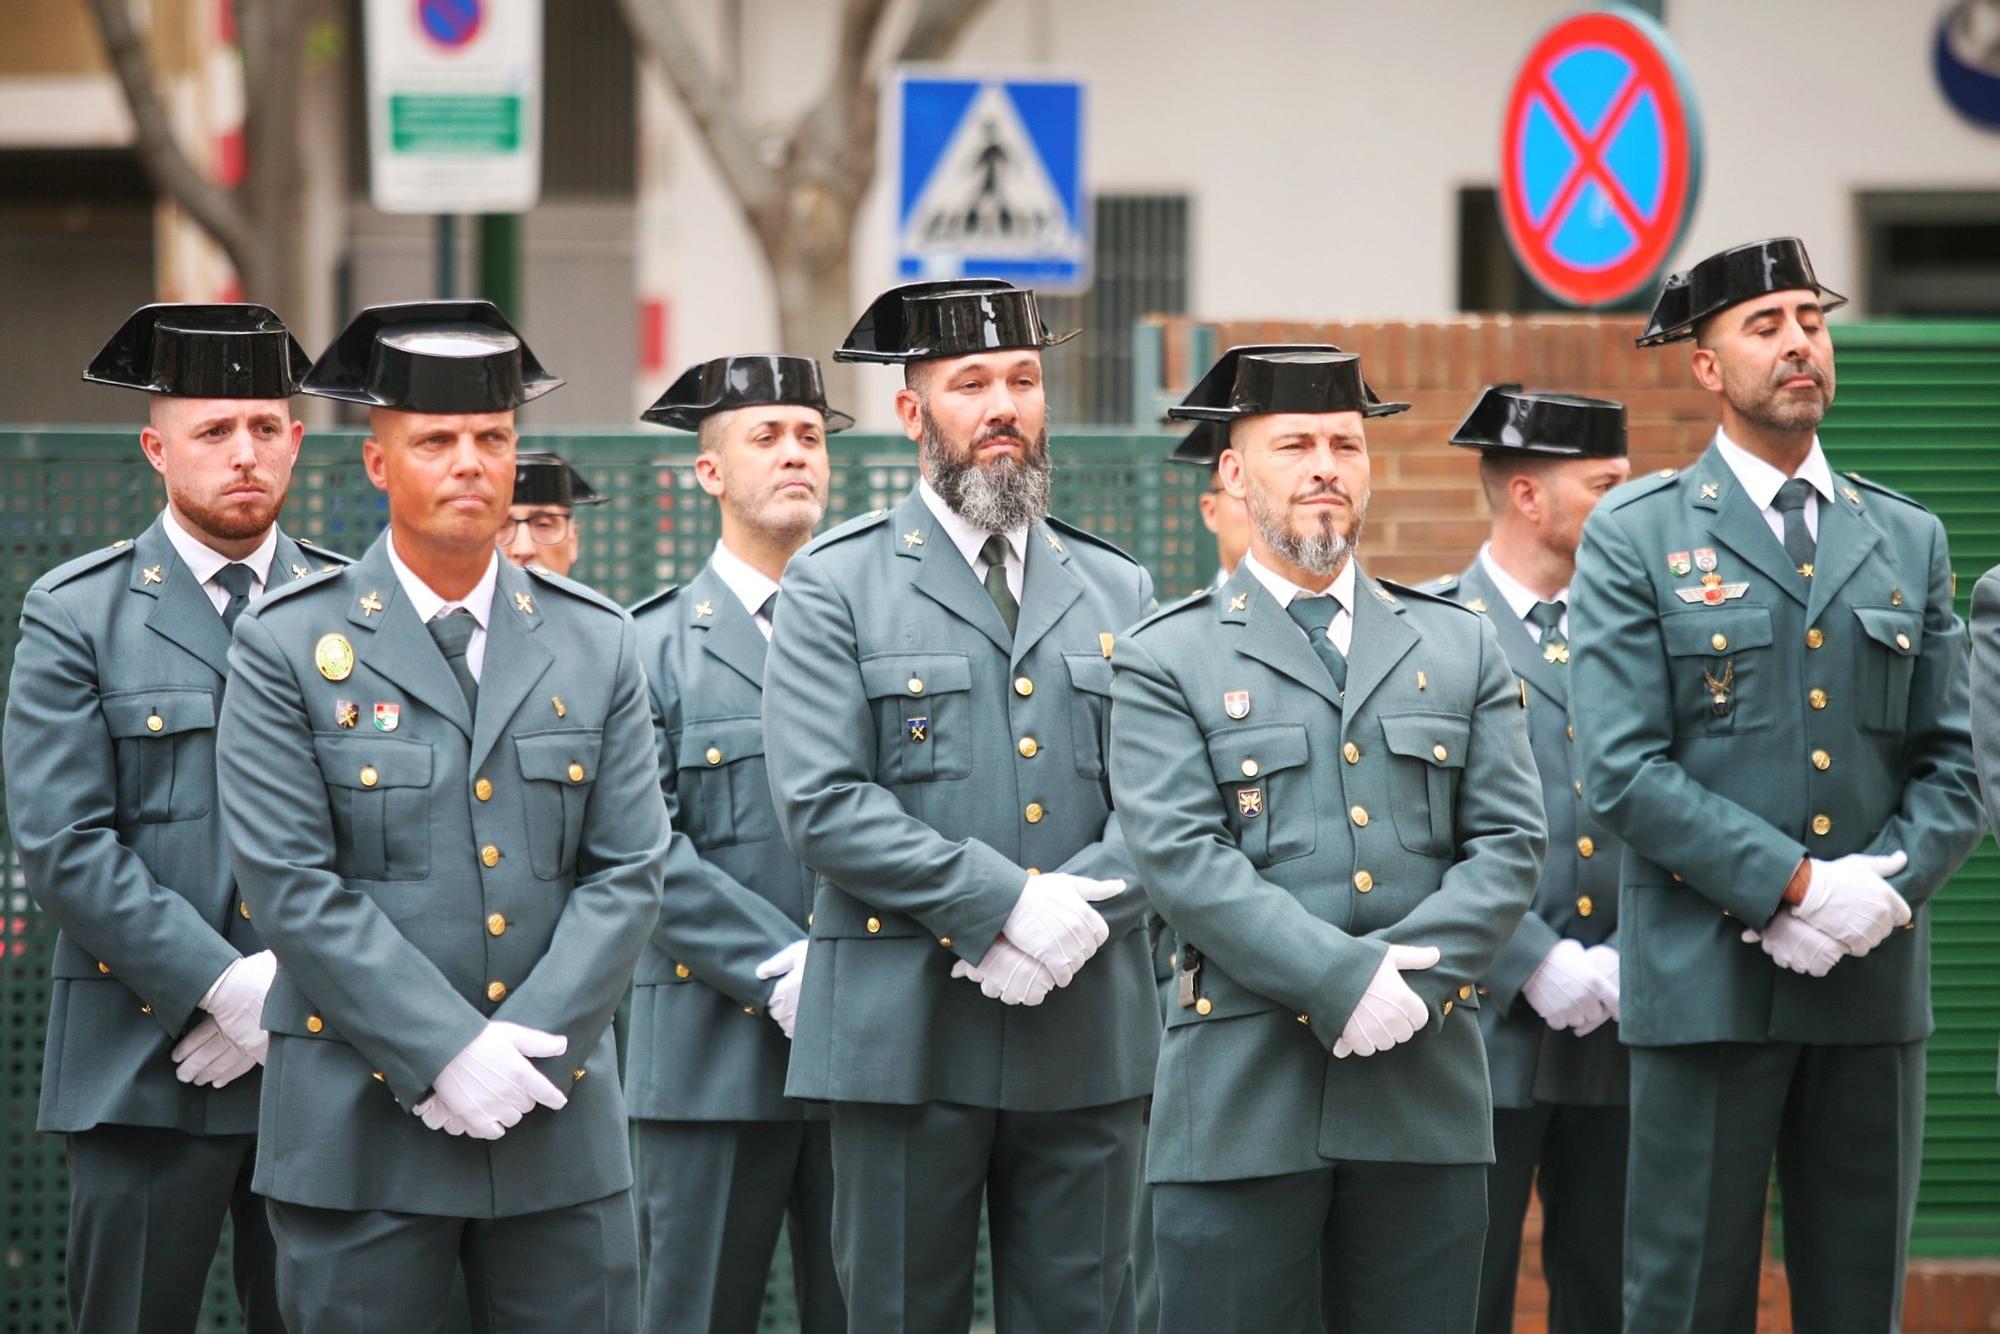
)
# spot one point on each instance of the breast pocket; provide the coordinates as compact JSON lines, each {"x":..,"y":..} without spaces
{"x":1718,"y":660}
{"x":1430,"y":757}
{"x":720,"y":781}
{"x":1089,"y":710}
{"x":923,"y":715}
{"x":1892,"y":640}
{"x":1267,"y":789}
{"x":380,"y":790}
{"x":558,"y":768}
{"x":165,"y":743}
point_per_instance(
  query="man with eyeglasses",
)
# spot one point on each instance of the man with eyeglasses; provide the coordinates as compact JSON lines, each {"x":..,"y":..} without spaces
{"x":540,"y":528}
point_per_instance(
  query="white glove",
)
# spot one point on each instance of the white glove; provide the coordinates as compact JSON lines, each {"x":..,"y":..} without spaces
{"x":1850,"y":899}
{"x":1567,"y":990}
{"x":237,"y":1001}
{"x":1605,"y":957}
{"x":207,"y":1057}
{"x":788,"y":965}
{"x":1053,"y":921}
{"x":1009,"y":975}
{"x":1796,"y":944}
{"x":488,"y":1087}
{"x":1389,"y":1013}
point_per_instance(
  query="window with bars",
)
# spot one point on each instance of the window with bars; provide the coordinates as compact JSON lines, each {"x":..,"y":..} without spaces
{"x":1139,"y":263}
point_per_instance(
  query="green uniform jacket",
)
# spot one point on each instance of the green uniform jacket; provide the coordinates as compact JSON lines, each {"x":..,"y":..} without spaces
{"x":419,"y":880}
{"x":1577,"y":898}
{"x":702,"y":1047}
{"x":1844,"y":730}
{"x":1290,"y":837}
{"x":921,"y":767}
{"x":110,"y":759}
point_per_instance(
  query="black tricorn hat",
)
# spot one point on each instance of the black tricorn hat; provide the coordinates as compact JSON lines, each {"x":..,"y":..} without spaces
{"x":431,"y":356}
{"x":1508,"y":419}
{"x":1281,"y":377}
{"x":954,"y":318}
{"x":548,"y":479}
{"x":1202,"y":446}
{"x":1739,"y":273}
{"x":202,"y":351}
{"x":741,"y":382}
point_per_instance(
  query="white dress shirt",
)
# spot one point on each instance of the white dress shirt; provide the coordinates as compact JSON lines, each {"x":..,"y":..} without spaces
{"x":204,"y":561}
{"x":429,"y":606}
{"x":750,"y":585}
{"x":969,"y":540}
{"x":1520,"y":598}
{"x":1760,"y":481}
{"x":1341,"y":629}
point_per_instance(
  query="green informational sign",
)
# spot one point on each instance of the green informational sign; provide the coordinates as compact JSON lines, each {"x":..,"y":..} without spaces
{"x":442,"y":123}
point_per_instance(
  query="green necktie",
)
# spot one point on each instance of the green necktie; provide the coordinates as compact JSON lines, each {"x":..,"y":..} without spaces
{"x":1549,"y":615}
{"x":1791,"y":506}
{"x":1314,"y":615}
{"x":994,"y":553}
{"x":453,"y":632}
{"x":234,"y":578}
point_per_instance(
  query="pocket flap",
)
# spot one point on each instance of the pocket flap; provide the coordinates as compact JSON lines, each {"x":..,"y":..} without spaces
{"x":163,"y":712}
{"x":913,"y":675}
{"x":1439,"y":740}
{"x":1089,"y":672}
{"x":1239,"y":754}
{"x":1689,"y":634}
{"x":709,"y":742}
{"x":568,"y":756}
{"x":1894,"y":628}
{"x":369,"y":762}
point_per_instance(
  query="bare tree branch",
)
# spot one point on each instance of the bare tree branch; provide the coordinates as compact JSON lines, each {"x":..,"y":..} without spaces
{"x":939,"y":24}
{"x":173,"y":173}
{"x":658,"y":27}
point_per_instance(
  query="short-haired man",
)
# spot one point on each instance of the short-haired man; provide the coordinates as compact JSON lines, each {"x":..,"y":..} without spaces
{"x":725,"y":1160}
{"x":541,"y":527}
{"x":159,"y":976}
{"x":1769,"y":687}
{"x":444,"y":809}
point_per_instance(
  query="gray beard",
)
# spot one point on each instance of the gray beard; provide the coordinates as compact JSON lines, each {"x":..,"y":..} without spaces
{"x":1322,"y":553}
{"x":998,"y":498}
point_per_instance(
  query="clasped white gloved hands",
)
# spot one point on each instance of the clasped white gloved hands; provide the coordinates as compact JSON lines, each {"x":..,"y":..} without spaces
{"x":1568,"y":989}
{"x":1606,"y":959}
{"x":1389,"y":1013}
{"x":1054,"y":922}
{"x":788,"y":966}
{"x":1849,"y":908}
{"x":489,"y":1086}
{"x":1008,"y":974}
{"x":230,"y":1039}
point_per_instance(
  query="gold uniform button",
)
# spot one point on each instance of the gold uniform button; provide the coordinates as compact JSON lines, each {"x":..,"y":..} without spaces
{"x":154,"y":722}
{"x":944,"y":942}
{"x":1815,"y":637}
{"x":378,"y":1076}
{"x":916,"y":684}
{"x":490,"y":855}
{"x":243,"y":910}
{"x":496,"y":991}
{"x":1028,"y":746}
{"x":1718,"y":642}
{"x":1440,"y":754}
{"x":1363,"y":882}
{"x":1445,"y":1009}
{"x":1249,"y":768}
{"x":1034,"y":812}
{"x":1204,"y":1005}
{"x":483,"y":789}
{"x":1023,"y":686}
{"x":1822,"y":826}
{"x":874,"y":925}
{"x":1351,"y":753}
{"x":1903,"y":643}
{"x":314,"y":1023}
{"x":369,"y":777}
{"x":1821,"y":760}
{"x":1586,"y":846}
{"x":1816,"y":697}
{"x":750,"y":1010}
{"x":496,"y":924}
{"x":1585,"y":905}
{"x":681,"y":970}
{"x":1358,"y":814}
{"x":713,"y":756}
{"x":104,"y":968}
{"x":575,"y":772}
{"x":1570,"y":732}
{"x":1465,"y":992}
{"x":1579,"y":788}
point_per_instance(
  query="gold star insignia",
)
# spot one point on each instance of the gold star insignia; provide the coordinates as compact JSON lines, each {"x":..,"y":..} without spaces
{"x":300,"y":572}
{"x":371,"y":602}
{"x":522,"y":602}
{"x":1239,"y":602}
{"x":1806,"y":569}
{"x":1853,"y":496}
{"x":151,"y":574}
{"x":1710,"y":490}
{"x":703,"y":609}
{"x":562,"y":710}
{"x":913,"y":538}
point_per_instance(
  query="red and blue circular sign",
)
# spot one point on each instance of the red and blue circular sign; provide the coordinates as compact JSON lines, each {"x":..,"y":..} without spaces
{"x":1600,"y":157}
{"x":450,"y":23}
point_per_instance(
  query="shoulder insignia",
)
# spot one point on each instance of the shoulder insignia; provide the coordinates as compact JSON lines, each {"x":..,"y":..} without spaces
{"x":324,"y":553}
{"x":84,"y":564}
{"x":581,"y":592}
{"x":1172,"y":609}
{"x":1085,"y":535}
{"x":1420,"y":595}
{"x":659,"y":599}
{"x":840,"y":532}
{"x":1881,"y":490}
{"x":278,"y":592}
{"x":1640,"y":488}
{"x":1444,"y":583}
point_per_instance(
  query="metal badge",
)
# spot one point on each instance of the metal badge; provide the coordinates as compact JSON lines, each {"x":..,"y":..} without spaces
{"x":300,"y":572}
{"x":1679,"y":563}
{"x":1556,"y":653}
{"x":1853,"y":496}
{"x":1236,"y":703}
{"x":1239,"y":602}
{"x":522,"y":602}
{"x":1712,"y":591}
{"x":1895,"y":597}
{"x":388,"y":717}
{"x":345,"y":713}
{"x":1478,"y":605}
{"x":1704,"y":559}
{"x":702,"y":610}
{"x":334,"y":657}
{"x":1054,"y":545}
{"x":1711,"y":490}
{"x":1249,"y":802}
{"x":151,"y":574}
{"x":919,"y":729}
{"x":371,"y":602}
{"x":562,"y":710}
{"x":914,"y":538}
{"x":1718,"y":691}
{"x":1105,"y":639}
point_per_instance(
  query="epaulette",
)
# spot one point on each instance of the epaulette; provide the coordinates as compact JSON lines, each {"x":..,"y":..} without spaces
{"x":579,"y":591}
{"x":1424,"y":595}
{"x":1071,"y":530}
{"x":280,"y":592}
{"x":1882,"y":490}
{"x":1639,"y":487}
{"x":84,"y":564}
{"x":860,"y":523}
{"x":324,"y":553}
{"x":1444,"y":585}
{"x":1171,"y":609}
{"x":652,"y":600}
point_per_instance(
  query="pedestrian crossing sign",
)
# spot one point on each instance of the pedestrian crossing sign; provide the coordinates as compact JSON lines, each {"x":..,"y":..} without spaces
{"x":991,"y":179}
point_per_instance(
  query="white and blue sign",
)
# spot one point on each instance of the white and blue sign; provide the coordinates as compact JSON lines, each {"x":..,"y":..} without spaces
{"x":990,"y":181}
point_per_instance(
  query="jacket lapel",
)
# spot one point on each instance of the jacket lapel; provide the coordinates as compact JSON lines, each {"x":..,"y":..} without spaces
{"x":1522,"y":651}
{"x":288,"y":564}
{"x":181,"y":612}
{"x":1735,"y":522}
{"x":1048,"y":588}
{"x":399,"y":646}
{"x":943,"y":575}
{"x":729,"y":632}
{"x":1381,"y":637}
{"x":1845,"y":539}
{"x":515,"y":659}
{"x":1266,"y":633}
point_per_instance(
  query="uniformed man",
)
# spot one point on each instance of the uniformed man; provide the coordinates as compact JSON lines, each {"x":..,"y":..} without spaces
{"x":1326,"y":785}
{"x":444,"y":810}
{"x":1550,"y":1013}
{"x":1221,"y":513}
{"x":978,"y":1003}
{"x":725,"y":1159}
{"x":541,"y":526}
{"x":159,"y":977}
{"x":1770,"y":701}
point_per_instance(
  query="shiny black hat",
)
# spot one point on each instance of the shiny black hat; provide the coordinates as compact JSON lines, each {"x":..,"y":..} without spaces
{"x":1508,"y":419}
{"x":548,"y":479}
{"x":741,"y":382}
{"x":954,"y":318}
{"x":1690,"y":296}
{"x":212,"y":351}
{"x":431,"y":356}
{"x":1281,"y":377}
{"x":1203,"y":446}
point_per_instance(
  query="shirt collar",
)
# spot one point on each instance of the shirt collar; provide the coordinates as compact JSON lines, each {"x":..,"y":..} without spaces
{"x":203,"y":561}
{"x":1519,"y":596}
{"x":1760,"y":481}
{"x":963,"y":535}
{"x":1284,"y":590}
{"x":750,"y":585}
{"x":427,"y":604}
